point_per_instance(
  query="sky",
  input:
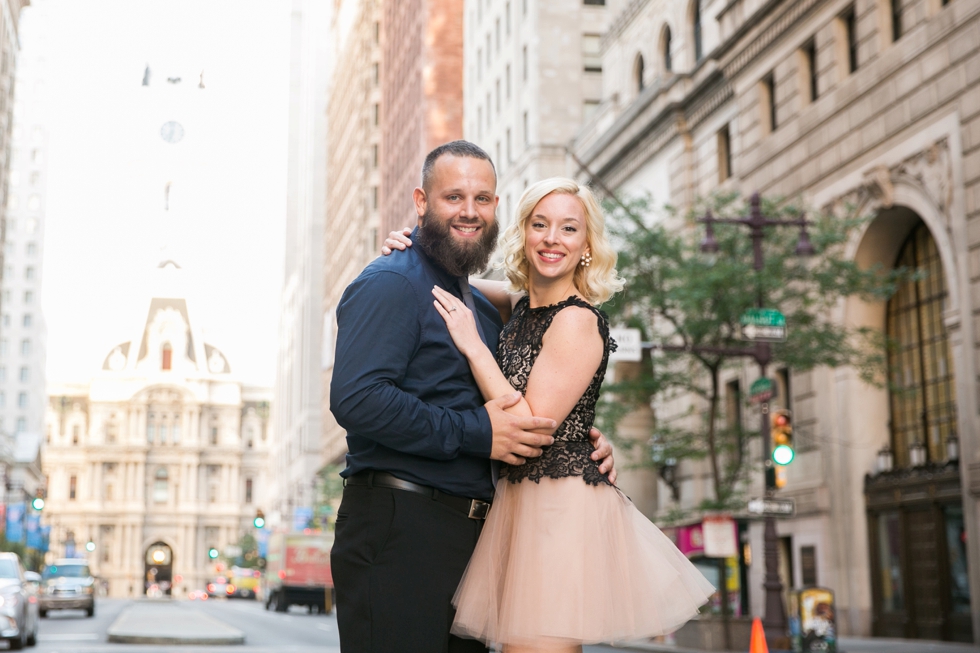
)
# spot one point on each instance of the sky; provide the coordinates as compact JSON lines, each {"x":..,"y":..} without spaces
{"x":107,"y":168}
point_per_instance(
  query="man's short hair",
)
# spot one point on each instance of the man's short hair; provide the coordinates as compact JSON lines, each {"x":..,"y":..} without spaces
{"x":454,"y":148}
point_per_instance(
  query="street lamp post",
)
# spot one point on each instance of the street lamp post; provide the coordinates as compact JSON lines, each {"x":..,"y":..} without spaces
{"x":774,"y":620}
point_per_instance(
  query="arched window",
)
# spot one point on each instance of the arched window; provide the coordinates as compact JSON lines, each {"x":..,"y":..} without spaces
{"x":665,"y":46}
{"x":696,"y":24}
{"x":160,"y":485}
{"x":638,"y":73}
{"x":920,"y":375}
{"x":166,"y":356}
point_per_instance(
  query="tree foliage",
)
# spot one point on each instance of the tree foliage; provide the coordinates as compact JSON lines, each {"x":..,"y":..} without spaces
{"x":682,"y":298}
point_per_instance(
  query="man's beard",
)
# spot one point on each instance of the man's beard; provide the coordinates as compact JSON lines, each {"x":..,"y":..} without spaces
{"x":460,"y":259}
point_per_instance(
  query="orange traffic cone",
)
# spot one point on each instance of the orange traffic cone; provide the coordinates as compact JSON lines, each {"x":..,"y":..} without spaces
{"x":758,"y":642}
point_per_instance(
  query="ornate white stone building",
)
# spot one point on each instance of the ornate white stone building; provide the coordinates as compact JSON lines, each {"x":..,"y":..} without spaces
{"x":161,"y":456}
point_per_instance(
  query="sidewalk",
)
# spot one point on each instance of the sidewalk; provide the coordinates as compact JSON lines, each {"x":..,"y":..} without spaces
{"x":846,"y":645}
{"x":163,"y":621}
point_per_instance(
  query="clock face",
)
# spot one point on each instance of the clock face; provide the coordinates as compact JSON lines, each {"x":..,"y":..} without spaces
{"x":172,"y":131}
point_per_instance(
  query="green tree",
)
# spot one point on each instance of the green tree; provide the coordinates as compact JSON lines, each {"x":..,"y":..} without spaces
{"x":682,"y":298}
{"x":330,"y":488}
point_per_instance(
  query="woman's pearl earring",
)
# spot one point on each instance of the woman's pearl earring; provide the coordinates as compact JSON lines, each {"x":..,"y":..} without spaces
{"x":586,"y":260}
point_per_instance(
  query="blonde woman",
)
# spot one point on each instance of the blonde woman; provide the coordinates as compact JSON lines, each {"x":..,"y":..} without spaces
{"x":565,"y":558}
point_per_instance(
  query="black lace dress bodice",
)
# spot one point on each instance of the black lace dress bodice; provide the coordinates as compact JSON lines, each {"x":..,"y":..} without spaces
{"x":519,"y":346}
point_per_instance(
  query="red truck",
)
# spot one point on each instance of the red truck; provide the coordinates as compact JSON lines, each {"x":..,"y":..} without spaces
{"x":297,"y":572}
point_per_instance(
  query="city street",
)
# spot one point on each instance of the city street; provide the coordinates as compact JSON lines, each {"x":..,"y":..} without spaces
{"x":293,"y":632}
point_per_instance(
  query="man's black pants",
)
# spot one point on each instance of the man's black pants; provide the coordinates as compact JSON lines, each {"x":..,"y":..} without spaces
{"x":397,"y":559}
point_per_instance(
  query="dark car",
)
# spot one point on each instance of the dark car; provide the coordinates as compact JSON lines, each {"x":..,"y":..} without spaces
{"x":18,"y":620}
{"x":68,"y":585}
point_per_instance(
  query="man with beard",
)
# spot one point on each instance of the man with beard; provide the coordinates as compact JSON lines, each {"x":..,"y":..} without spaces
{"x":418,"y":481}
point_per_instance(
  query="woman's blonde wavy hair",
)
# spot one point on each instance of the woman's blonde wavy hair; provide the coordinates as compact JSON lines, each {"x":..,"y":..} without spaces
{"x":597,"y":282}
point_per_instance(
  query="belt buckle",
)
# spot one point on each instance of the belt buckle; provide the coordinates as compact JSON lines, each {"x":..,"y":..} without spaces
{"x":478,"y":509}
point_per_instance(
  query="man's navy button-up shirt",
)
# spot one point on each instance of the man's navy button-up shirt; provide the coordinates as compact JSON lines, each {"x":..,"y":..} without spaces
{"x":400,"y":386}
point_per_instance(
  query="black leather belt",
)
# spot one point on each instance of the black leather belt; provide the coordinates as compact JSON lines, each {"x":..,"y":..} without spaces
{"x":472,"y":508}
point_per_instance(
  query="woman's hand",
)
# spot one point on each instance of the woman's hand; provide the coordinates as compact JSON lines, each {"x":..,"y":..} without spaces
{"x":460,"y":321}
{"x":396,"y":240}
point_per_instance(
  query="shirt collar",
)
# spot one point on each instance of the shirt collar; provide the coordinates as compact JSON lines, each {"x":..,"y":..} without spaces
{"x":446,"y":280}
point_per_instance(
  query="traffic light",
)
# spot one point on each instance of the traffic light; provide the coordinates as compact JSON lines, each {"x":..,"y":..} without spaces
{"x":782,"y":437}
{"x":213,"y":553}
{"x":259,"y":521}
{"x":38,"y":501}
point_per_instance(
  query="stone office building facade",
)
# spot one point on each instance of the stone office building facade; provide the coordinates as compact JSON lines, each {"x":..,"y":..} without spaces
{"x":870,"y":102}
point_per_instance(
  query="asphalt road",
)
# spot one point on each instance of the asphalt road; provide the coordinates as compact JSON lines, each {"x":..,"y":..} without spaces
{"x":265,"y":632}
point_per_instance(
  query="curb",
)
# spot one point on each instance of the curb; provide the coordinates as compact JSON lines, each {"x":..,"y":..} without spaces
{"x":123,"y":638}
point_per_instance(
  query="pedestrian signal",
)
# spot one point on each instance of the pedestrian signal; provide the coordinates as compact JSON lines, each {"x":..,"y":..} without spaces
{"x":212,"y":553}
{"x":782,"y":437}
{"x":259,"y":521}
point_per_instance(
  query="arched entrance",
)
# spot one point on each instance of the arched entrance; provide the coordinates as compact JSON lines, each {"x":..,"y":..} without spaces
{"x":916,"y":529}
{"x":158,"y":564}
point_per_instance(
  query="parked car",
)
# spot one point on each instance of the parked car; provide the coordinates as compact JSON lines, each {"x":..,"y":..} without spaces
{"x":18,"y":620}
{"x":67,"y":585}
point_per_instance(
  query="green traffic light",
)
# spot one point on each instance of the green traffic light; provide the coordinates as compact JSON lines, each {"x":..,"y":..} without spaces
{"x":783,"y":455}
{"x":38,"y":503}
{"x":212,"y":553}
{"x":258,"y":522}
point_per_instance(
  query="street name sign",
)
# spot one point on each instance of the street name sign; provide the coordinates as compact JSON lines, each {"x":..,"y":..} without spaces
{"x":629,"y":346}
{"x":761,"y":390}
{"x":763,"y":324}
{"x":774,"y":507}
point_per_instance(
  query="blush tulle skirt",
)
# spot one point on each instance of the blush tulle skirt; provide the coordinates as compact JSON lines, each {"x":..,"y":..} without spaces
{"x":561,"y":563}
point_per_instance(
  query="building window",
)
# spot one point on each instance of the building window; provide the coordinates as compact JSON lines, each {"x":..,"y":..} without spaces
{"x":589,"y":109}
{"x":524,"y":63}
{"x":497,"y":35}
{"x":665,"y":50}
{"x":3,"y":372}
{"x":21,"y":424}
{"x":509,"y":153}
{"x":507,"y":19}
{"x":27,"y":320}
{"x":214,"y":435}
{"x":767,"y":101}
{"x":75,"y":434}
{"x":638,"y":73}
{"x":592,"y":53}
{"x":479,"y":64}
{"x":809,"y":64}
{"x":374,"y":198}
{"x":733,"y":404}
{"x":72,"y":487}
{"x":25,"y":347}
{"x":376,"y":73}
{"x":527,"y":131}
{"x":489,"y":53}
{"x":376,"y":110}
{"x":25,"y":374}
{"x":28,"y":297}
{"x":160,"y":485}
{"x":6,"y":320}
{"x":507,"y":80}
{"x":922,"y":390}
{"x":22,"y":400}
{"x":151,"y":428}
{"x":377,"y":33}
{"x":896,"y":14}
{"x":724,"y":154}
{"x":784,"y":396}
{"x":3,"y":399}
{"x":29,"y":273}
{"x":3,"y":346}
{"x":248,"y":490}
{"x":374,"y":156}
{"x":497,"y":95}
{"x":849,"y":24}
{"x":31,"y":249}
{"x":696,"y":20}
{"x":166,"y":356}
